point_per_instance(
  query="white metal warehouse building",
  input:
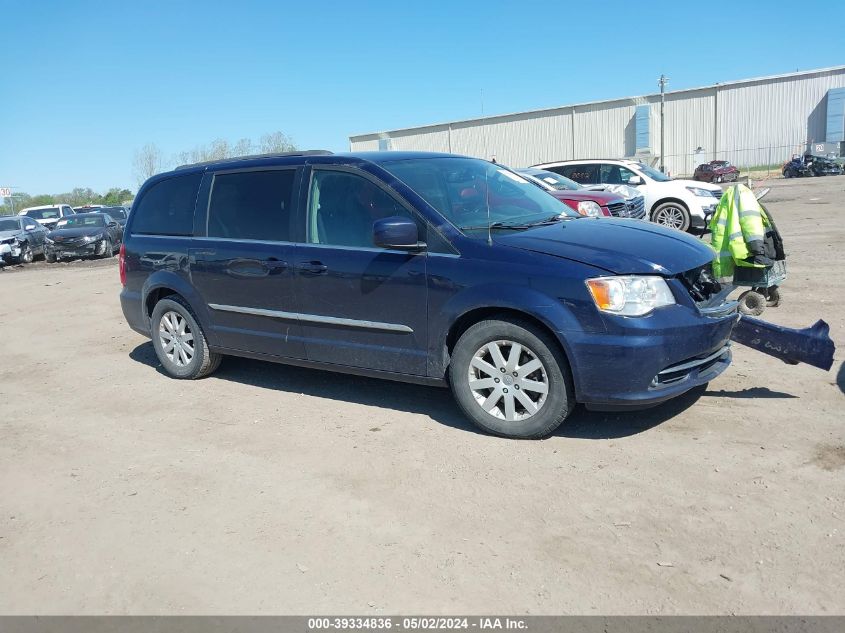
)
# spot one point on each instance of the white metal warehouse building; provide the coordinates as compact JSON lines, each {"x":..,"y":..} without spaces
{"x":751,"y":122}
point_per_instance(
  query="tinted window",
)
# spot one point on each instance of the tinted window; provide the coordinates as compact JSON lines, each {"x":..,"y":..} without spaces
{"x":582,"y":174}
{"x":252,"y":205}
{"x":9,"y":224}
{"x":167,"y":207}
{"x":342,"y":208}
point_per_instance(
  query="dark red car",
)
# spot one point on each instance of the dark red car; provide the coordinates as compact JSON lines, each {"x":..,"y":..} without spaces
{"x":716,"y":171}
{"x":579,"y":199}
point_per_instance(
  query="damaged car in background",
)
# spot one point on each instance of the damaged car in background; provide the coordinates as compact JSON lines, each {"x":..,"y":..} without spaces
{"x":619,"y":201}
{"x":21,"y":239}
{"x":84,"y":235}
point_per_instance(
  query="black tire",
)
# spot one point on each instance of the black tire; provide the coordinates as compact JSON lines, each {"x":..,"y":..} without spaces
{"x":752,"y":303}
{"x":672,"y":215}
{"x":203,"y":362}
{"x":108,"y":249}
{"x":773,"y":297}
{"x":27,"y":254}
{"x":536,"y":345}
{"x":50,"y":258}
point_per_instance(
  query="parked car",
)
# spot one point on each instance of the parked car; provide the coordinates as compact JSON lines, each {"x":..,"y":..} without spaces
{"x":83,"y":235}
{"x":48,"y":215}
{"x":611,"y":203}
{"x":88,"y":208}
{"x":385,"y":265}
{"x":678,"y":204}
{"x":21,"y":239}
{"x":822,"y":166}
{"x":118,"y":214}
{"x":716,"y":171}
{"x":797,"y":167}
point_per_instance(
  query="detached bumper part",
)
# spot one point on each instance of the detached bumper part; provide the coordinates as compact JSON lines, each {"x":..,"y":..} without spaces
{"x":811,"y":345}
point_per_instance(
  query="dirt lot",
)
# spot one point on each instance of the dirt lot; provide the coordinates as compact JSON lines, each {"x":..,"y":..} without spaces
{"x":268,"y":489}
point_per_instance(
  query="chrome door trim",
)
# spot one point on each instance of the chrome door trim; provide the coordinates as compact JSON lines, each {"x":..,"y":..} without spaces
{"x":313,"y":318}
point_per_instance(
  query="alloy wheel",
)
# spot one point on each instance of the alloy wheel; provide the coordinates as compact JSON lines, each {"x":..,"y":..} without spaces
{"x":177,"y":340}
{"x":508,"y":380}
{"x":671,"y":216}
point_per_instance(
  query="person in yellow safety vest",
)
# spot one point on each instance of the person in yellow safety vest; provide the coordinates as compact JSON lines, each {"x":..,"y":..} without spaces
{"x":738,"y":230}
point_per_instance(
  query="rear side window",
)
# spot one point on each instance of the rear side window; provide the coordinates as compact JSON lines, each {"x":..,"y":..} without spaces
{"x":252,"y":205}
{"x":582,"y":174}
{"x":167,"y":207}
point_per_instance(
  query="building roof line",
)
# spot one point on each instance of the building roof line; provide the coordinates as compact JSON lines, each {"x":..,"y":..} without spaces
{"x":492,"y":117}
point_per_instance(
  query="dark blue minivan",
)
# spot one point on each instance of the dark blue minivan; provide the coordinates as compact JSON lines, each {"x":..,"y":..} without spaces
{"x":426,"y":268}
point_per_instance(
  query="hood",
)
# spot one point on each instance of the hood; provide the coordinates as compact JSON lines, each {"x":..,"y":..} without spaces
{"x":698,"y":184}
{"x":623,"y":190}
{"x":603,"y":198}
{"x":7,"y":234}
{"x":616,"y":245}
{"x":65,"y":234}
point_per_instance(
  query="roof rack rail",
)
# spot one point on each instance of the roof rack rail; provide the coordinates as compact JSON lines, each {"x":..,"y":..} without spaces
{"x":309,"y":152}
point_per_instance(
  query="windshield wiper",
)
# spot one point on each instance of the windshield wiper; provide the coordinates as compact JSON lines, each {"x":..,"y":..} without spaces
{"x":516,"y":225}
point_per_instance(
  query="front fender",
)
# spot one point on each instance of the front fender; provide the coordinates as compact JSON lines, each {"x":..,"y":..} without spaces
{"x":556,"y":314}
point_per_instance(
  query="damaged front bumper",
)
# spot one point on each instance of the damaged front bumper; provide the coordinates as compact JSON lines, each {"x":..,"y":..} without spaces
{"x":811,"y":345}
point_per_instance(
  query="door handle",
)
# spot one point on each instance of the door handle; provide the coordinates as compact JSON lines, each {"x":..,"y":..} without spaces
{"x":312,"y":268}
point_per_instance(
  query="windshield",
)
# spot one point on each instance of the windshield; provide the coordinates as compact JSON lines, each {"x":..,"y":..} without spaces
{"x":553,"y":180}
{"x":652,"y":173}
{"x":116,"y":212}
{"x":462,"y":189}
{"x":79,"y":221}
{"x":9,"y":224}
{"x":43,"y":214}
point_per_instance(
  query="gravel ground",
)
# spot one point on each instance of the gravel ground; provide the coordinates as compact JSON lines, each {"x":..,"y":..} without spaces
{"x":270,"y":489}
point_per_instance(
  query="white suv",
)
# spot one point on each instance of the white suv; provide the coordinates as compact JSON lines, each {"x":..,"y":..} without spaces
{"x":680,"y":204}
{"x":48,"y":215}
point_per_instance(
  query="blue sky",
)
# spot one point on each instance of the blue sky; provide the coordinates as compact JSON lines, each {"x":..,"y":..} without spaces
{"x":86,"y":83}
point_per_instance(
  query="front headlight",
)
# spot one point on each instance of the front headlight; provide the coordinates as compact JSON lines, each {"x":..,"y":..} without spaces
{"x":631,"y":295}
{"x":589,"y":208}
{"x":92,"y":238}
{"x":698,"y":191}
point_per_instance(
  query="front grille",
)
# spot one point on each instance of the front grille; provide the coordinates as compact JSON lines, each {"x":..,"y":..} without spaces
{"x":636,"y":207}
{"x":618,"y":209}
{"x":71,"y":241}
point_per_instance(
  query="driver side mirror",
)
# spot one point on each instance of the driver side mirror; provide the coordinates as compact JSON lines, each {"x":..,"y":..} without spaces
{"x":635,"y":180}
{"x":29,"y":227}
{"x":397,"y":233}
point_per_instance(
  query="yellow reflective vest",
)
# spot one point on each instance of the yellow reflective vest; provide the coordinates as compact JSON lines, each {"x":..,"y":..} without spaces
{"x":738,"y":219}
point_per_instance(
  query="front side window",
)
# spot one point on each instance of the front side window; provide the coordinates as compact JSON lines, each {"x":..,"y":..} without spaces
{"x":252,"y":205}
{"x":342,"y":208}
{"x":470,"y":192}
{"x":167,"y":207}
{"x":615,"y":174}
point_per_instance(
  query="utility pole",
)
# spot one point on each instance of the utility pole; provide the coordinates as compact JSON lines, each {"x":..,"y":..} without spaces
{"x":662,"y":83}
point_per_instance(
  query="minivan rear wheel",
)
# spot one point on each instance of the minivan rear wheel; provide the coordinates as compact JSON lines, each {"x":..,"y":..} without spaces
{"x":511,"y":379}
{"x":179,"y":341}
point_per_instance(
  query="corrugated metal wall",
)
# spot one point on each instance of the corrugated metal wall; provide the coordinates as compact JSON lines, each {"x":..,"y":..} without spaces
{"x":750,"y":123}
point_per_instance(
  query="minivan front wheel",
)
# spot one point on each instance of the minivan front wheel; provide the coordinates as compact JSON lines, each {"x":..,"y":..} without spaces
{"x":179,"y":341}
{"x":672,"y":214}
{"x":511,"y":379}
